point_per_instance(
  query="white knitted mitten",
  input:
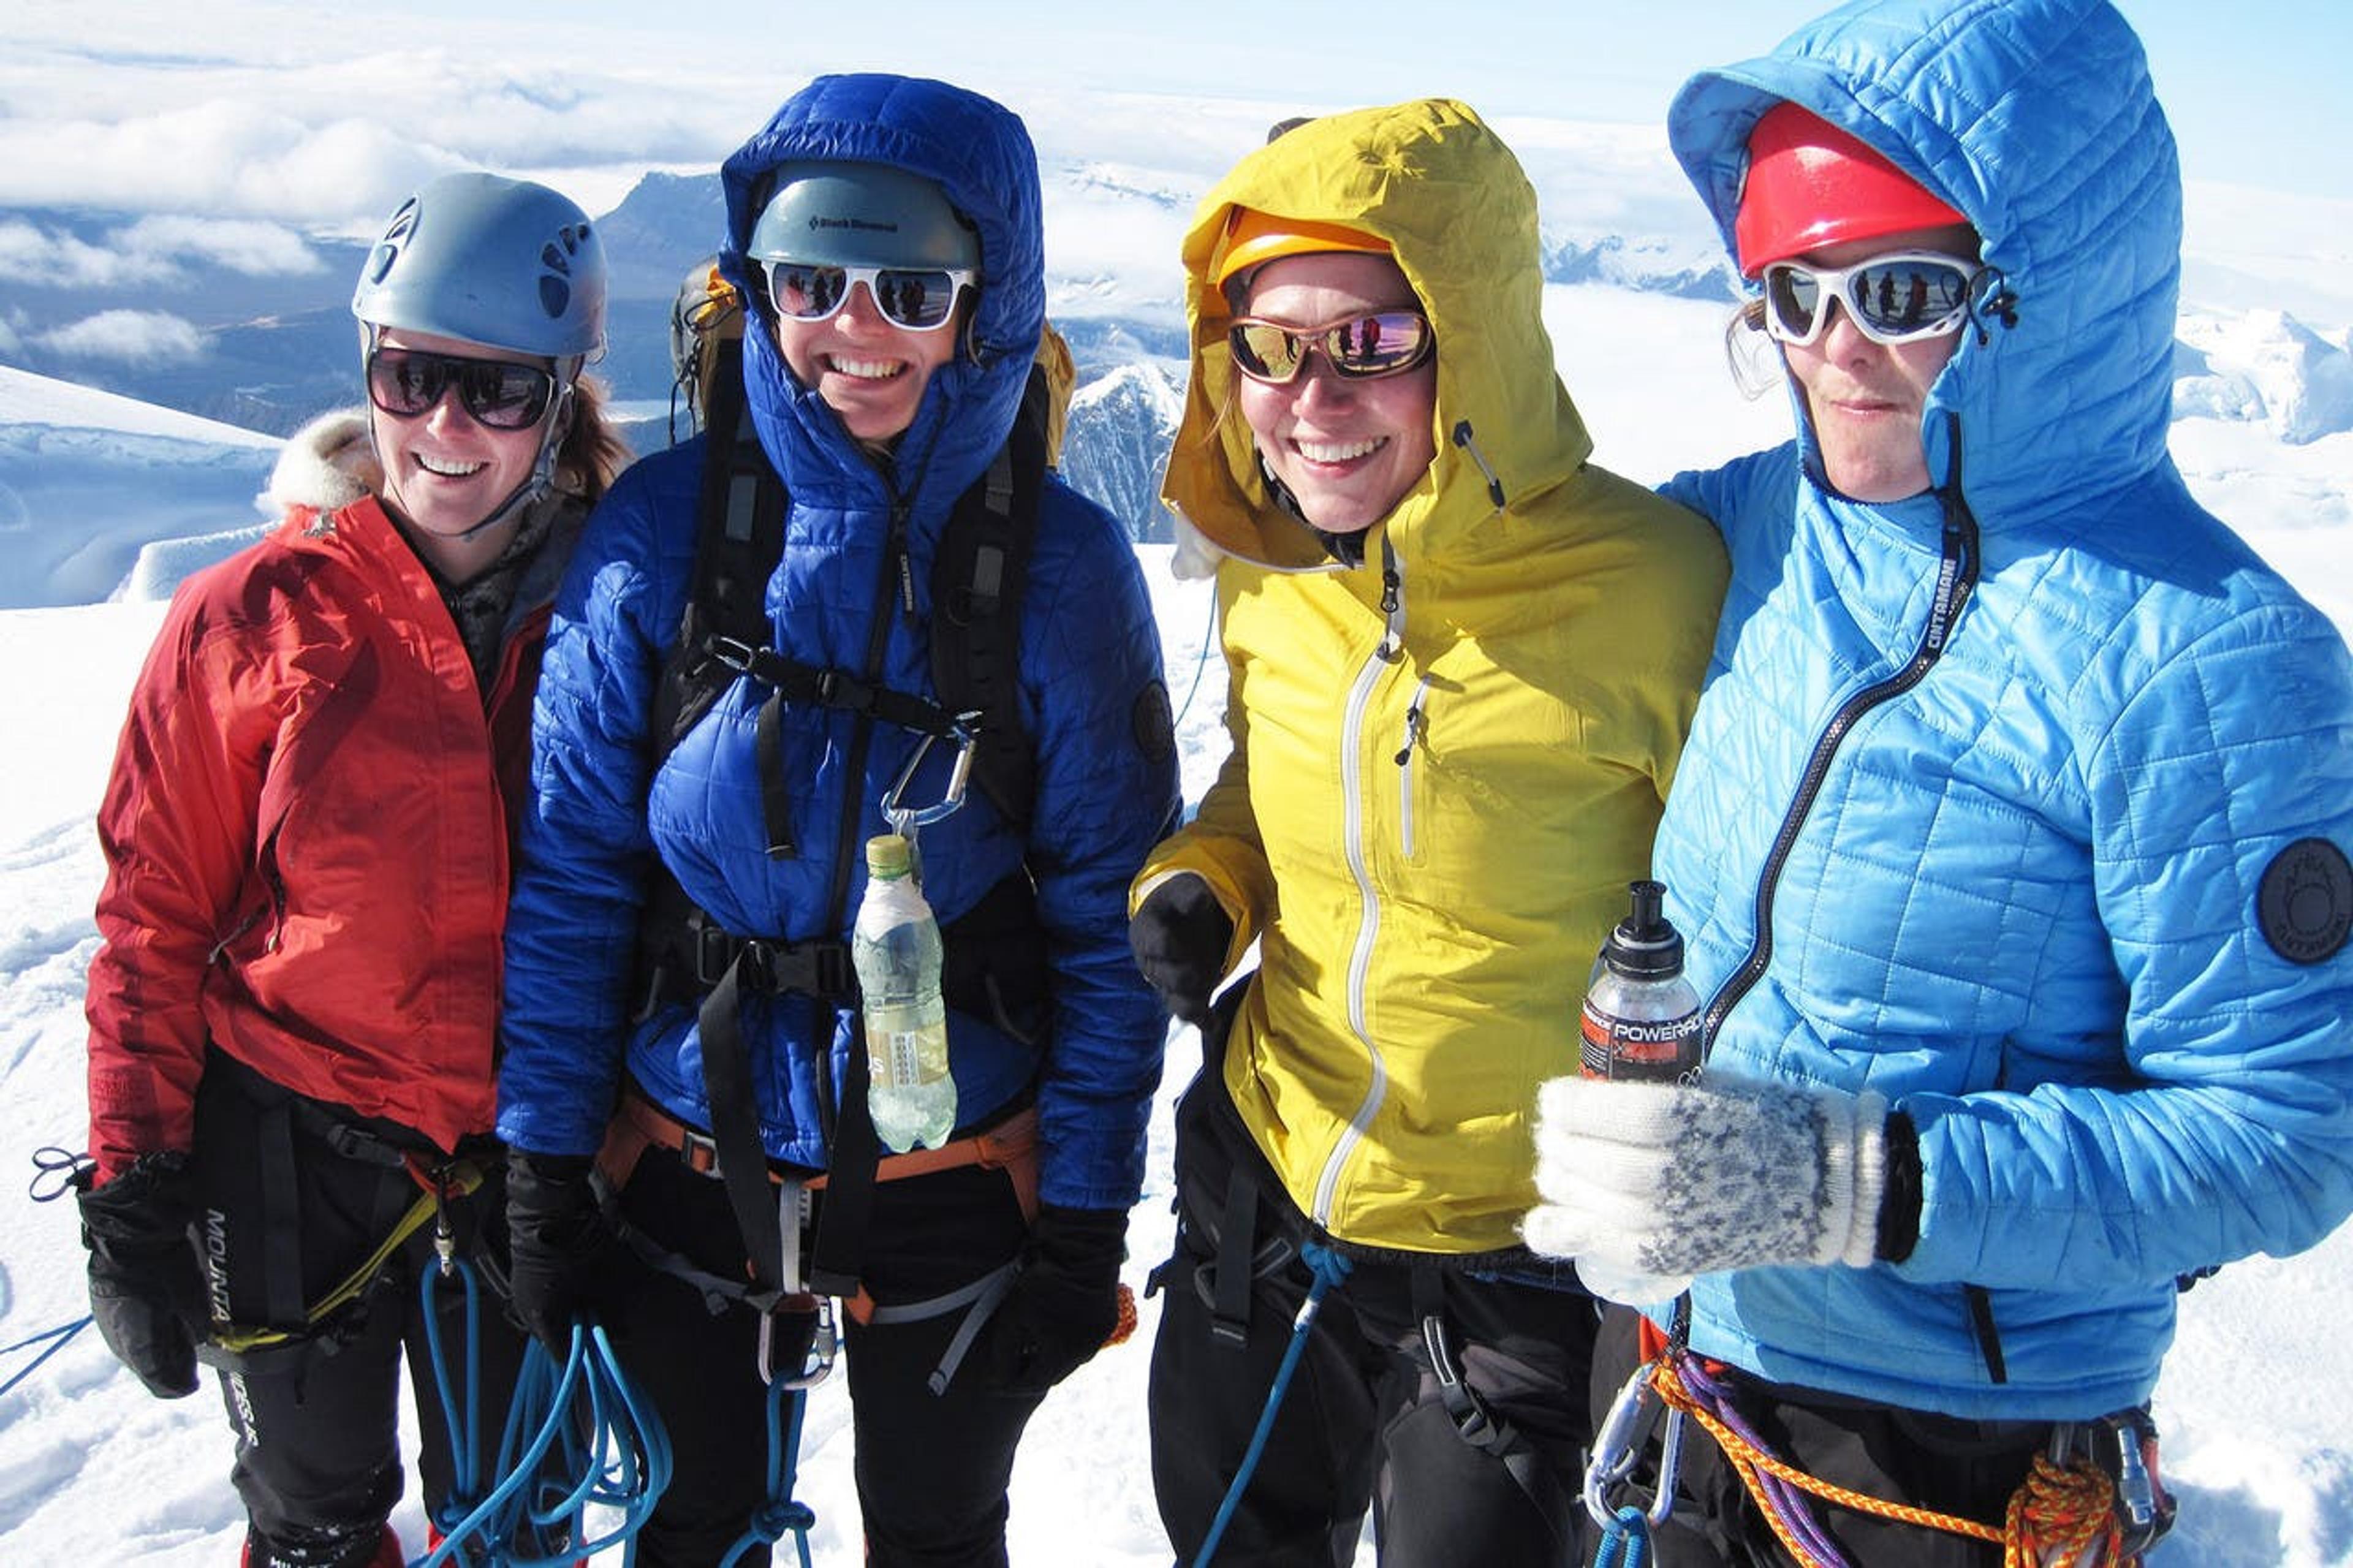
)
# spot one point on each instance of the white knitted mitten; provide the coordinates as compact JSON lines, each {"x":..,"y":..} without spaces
{"x":1671,"y":1180}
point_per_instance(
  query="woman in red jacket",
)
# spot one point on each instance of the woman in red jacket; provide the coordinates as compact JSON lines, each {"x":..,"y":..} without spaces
{"x":307,"y":833}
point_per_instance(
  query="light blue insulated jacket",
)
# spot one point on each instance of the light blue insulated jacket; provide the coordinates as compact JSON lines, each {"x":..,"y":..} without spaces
{"x":853,"y":594}
{"x":2072,"y":892}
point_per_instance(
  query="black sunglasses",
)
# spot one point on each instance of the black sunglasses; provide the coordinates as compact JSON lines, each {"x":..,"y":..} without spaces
{"x":499,"y":393}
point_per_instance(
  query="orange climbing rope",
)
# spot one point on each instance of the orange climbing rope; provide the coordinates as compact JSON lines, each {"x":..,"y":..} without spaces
{"x":2062,"y":1516}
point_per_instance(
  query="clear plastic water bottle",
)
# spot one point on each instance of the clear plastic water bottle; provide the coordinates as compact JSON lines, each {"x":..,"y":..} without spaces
{"x":1641,"y":1023}
{"x":895,"y":947}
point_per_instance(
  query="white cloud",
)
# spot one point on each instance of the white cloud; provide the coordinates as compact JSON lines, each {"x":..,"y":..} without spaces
{"x":254,"y":247}
{"x":32,"y":255}
{"x":126,"y":336}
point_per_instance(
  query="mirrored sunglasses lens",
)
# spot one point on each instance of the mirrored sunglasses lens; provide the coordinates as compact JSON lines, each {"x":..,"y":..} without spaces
{"x":920,"y":298}
{"x":1903,"y":296}
{"x":1793,"y":299}
{"x":504,"y":396}
{"x":1266,"y":352}
{"x":1379,"y":344}
{"x":807,"y":293}
{"x":407,"y":384}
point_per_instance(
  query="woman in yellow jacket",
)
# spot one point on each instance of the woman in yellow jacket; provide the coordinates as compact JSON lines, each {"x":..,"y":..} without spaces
{"x":1461,"y":661}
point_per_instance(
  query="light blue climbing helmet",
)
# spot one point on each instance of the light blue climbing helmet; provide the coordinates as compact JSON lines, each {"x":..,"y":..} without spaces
{"x":505,"y":263}
{"x":842,"y":212}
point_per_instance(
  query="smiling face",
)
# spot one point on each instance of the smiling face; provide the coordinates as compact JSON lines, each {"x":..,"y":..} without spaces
{"x":445,"y":471}
{"x":1347,"y":449}
{"x":1867,"y":398}
{"x":869,"y":372}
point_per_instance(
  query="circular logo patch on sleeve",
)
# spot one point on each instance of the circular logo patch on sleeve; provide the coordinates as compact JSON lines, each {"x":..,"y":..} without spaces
{"x":2305,"y":903}
{"x":1155,"y":725}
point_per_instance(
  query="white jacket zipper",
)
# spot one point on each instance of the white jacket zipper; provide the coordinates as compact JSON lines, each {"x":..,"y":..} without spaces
{"x":1352,"y":790}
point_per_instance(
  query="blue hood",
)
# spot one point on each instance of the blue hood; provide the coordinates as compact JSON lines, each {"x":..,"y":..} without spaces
{"x":2035,"y":120}
{"x":979,"y":154}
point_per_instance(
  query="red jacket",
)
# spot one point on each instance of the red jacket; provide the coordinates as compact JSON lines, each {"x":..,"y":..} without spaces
{"x":308,"y":840}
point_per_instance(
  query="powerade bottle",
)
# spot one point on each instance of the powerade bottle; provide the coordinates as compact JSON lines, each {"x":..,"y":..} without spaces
{"x":1641,"y":1016}
{"x":1640,"y":1025}
{"x":895,"y":947}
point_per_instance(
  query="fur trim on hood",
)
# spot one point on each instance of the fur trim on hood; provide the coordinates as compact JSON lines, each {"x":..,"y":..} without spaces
{"x":329,"y":463}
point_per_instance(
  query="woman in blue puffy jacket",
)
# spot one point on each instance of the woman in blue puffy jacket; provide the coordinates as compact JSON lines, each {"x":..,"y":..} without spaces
{"x":679,"y":1009}
{"x":2011,"y":839}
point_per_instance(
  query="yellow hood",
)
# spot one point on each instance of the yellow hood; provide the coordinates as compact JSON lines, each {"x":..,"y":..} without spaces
{"x":1506,"y":430}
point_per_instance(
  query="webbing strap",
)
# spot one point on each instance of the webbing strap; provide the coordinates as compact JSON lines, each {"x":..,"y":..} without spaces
{"x":775,"y":799}
{"x":982,"y":1297}
{"x":1230,"y":1307}
{"x":736,"y":1130}
{"x":1477,"y":1424}
{"x":281,"y":1218}
{"x":826,"y":686}
{"x":840,"y":1255}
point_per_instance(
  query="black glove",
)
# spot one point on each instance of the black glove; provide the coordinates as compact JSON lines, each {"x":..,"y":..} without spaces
{"x":1179,"y":934}
{"x":562,"y":1251}
{"x":1064,"y":1305}
{"x":146,"y":1288}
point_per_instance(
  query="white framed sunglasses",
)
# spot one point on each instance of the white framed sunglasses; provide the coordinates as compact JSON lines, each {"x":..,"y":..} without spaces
{"x":915,"y":299}
{"x":1899,"y":297}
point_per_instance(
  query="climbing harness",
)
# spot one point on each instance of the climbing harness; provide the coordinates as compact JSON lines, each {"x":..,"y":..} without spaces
{"x":1480,"y":1426}
{"x":2093,"y":1498}
{"x":1328,"y":1268}
{"x":227,"y":1344}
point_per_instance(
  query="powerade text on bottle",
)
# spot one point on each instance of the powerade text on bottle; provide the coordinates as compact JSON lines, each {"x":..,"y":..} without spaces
{"x":895,"y":947}
{"x":1641,"y":1016}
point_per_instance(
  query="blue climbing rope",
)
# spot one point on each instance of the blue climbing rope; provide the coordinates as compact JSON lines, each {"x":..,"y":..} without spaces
{"x":577,"y":1436}
{"x":57,"y":1339}
{"x":1328,"y":1268}
{"x":1201,"y":661}
{"x":782,"y":1514}
{"x":1625,"y":1540}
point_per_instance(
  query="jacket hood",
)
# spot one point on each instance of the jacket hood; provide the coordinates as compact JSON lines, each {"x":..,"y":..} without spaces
{"x":2036,"y":119}
{"x":1433,"y":180}
{"x":979,"y":154}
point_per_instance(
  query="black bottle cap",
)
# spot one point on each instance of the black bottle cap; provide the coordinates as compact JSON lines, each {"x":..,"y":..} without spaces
{"x":1644,"y":946}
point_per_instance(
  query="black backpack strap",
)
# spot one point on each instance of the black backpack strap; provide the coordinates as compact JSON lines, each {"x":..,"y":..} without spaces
{"x":979,"y":579}
{"x":739,"y":535}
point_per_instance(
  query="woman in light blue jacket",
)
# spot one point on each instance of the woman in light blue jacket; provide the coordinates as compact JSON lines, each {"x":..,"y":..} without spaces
{"x":2011,"y":839}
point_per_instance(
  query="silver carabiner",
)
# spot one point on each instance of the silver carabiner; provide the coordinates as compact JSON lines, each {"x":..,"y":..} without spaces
{"x":814,"y":1352}
{"x":1634,"y":1415}
{"x":903,"y":819}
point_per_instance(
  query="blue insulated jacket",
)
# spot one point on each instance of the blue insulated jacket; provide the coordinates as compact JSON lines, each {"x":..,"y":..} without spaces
{"x":2076,"y":902}
{"x":851,"y":592}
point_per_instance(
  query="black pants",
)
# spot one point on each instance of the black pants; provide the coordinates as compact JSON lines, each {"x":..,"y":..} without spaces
{"x":294,"y":1198}
{"x":931,"y":1469}
{"x":1968,"y":1469}
{"x":1363,"y":1423}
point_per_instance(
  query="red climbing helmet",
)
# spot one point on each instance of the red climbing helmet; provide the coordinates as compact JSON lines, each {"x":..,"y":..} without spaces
{"x":1811,"y":184}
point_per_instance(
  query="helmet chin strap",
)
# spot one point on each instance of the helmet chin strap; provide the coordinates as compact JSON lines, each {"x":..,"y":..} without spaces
{"x":542,"y":477}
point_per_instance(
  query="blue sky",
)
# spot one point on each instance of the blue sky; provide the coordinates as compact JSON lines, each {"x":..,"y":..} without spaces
{"x":2256,"y":89}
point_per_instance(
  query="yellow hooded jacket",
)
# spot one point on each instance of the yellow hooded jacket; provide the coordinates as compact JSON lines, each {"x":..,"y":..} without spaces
{"x":1446,"y":763}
